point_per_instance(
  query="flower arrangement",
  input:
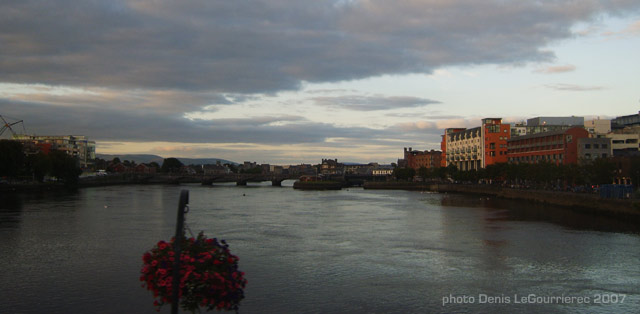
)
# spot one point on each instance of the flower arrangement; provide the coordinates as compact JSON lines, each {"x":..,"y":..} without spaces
{"x":209,"y":275}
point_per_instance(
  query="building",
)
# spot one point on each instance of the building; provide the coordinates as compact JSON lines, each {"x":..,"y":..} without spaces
{"x":598,"y":126}
{"x":382,"y":171}
{"x":443,"y":144}
{"x":417,"y":159}
{"x":559,"y":147}
{"x":622,"y":121}
{"x":569,"y":121}
{"x":74,"y":145}
{"x":331,"y":167}
{"x":625,"y":144}
{"x":472,"y":149}
{"x":594,"y":147}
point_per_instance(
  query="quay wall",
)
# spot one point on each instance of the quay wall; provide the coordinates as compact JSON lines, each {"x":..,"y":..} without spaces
{"x":583,"y":202}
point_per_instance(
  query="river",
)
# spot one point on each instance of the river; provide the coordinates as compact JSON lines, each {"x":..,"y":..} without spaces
{"x":354,"y":250}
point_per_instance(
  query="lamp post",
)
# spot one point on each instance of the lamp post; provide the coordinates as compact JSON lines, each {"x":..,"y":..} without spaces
{"x":182,"y":205}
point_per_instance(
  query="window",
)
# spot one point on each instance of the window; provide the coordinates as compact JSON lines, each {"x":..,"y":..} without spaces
{"x":596,"y":146}
{"x":604,"y":146}
{"x":587,"y":146}
{"x":604,"y":155}
{"x":587,"y":156}
{"x":569,"y":138}
{"x":492,"y":145}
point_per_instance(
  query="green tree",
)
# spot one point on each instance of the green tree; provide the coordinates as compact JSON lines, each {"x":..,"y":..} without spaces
{"x":170,"y":165}
{"x":404,"y":173}
{"x":11,"y":158}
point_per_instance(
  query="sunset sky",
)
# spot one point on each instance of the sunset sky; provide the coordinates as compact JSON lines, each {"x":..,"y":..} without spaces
{"x":289,"y":82}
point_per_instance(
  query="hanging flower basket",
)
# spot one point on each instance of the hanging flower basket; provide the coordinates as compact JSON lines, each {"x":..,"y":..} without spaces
{"x":209,"y":275}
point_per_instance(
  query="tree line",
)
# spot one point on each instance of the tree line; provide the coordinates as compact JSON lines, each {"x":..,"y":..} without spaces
{"x":543,"y":175}
{"x":15,"y":164}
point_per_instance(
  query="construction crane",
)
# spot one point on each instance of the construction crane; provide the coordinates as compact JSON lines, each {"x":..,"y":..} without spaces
{"x":7,"y":126}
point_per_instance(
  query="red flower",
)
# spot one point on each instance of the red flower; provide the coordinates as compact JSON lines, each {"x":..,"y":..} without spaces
{"x":216,"y":284}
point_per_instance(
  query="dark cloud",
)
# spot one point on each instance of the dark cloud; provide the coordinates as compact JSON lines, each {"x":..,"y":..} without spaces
{"x":371,"y":103}
{"x":105,"y":124}
{"x":271,"y":45}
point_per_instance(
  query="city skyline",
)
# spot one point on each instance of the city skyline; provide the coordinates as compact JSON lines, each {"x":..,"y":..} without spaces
{"x":295,"y":82}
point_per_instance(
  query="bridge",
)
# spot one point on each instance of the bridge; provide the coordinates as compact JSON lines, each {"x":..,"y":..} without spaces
{"x":238,"y":178}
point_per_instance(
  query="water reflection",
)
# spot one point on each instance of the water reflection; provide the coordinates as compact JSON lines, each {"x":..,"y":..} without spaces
{"x":352,"y":251}
{"x":514,"y":210}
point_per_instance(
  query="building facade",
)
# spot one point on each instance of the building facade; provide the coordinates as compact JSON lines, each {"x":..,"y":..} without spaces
{"x":593,"y":148}
{"x":598,"y":126}
{"x":570,"y":121}
{"x":622,"y":121}
{"x":476,"y":148}
{"x":559,"y":147}
{"x":77,"y":146}
{"x":417,"y":159}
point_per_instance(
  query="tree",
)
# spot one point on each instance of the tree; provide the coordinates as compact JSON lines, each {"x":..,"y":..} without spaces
{"x":423,"y":172}
{"x":39,"y":165}
{"x":11,"y":158}
{"x":601,"y":171}
{"x":404,"y":173}
{"x":64,"y":167}
{"x":171,"y":165}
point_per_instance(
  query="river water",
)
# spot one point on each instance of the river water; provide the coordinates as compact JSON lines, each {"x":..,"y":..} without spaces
{"x":355,"y":251}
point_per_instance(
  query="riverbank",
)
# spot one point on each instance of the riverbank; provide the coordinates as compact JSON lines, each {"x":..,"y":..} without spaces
{"x":583,"y":202}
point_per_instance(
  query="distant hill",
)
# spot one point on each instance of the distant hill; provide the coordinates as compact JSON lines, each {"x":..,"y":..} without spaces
{"x":143,"y":158}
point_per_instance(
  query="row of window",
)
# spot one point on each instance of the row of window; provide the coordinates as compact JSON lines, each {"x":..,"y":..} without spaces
{"x":596,"y":146}
{"x":536,"y":158}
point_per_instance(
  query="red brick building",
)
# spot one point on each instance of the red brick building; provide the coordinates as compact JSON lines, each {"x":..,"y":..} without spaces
{"x":416,"y":159}
{"x":559,"y":147}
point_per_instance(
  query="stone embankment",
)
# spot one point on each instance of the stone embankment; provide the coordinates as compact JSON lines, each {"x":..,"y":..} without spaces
{"x":584,"y":202}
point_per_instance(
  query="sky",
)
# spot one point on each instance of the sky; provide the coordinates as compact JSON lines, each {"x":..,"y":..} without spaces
{"x":290,"y":82}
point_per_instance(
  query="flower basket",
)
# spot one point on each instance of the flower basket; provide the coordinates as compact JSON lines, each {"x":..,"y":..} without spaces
{"x":209,"y":275}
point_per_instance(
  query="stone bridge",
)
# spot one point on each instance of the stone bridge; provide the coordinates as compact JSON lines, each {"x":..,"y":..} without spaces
{"x":243,"y":178}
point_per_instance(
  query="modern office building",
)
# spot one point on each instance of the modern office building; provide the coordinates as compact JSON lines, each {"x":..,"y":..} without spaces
{"x":560,"y":147}
{"x":629,"y":120}
{"x":571,"y":121}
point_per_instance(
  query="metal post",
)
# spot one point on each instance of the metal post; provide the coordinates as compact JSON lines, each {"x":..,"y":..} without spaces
{"x":184,"y":200}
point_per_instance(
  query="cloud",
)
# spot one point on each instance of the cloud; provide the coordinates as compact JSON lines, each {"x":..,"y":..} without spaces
{"x":266,"y":46}
{"x":573,"y":88}
{"x":632,"y":29}
{"x":556,"y":69}
{"x":372,"y":103}
{"x":108,"y":124}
